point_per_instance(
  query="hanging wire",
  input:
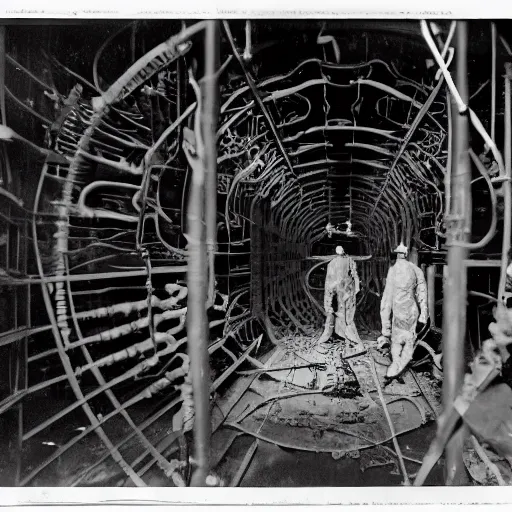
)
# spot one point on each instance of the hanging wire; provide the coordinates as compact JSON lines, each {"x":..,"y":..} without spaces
{"x":101,"y":50}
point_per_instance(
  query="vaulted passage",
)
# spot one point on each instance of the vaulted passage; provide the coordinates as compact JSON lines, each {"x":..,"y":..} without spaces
{"x":172,"y":195}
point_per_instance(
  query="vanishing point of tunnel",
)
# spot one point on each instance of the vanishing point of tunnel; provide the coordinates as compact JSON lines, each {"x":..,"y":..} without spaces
{"x":255,"y":253}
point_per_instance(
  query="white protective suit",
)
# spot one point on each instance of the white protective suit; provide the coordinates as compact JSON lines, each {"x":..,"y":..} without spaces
{"x":404,"y":302}
{"x":341,"y":279}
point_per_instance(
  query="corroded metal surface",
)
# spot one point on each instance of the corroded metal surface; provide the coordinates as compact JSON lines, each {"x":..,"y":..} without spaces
{"x":292,"y":403}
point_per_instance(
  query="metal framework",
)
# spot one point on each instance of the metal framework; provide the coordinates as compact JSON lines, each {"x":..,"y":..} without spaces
{"x":171,"y":233}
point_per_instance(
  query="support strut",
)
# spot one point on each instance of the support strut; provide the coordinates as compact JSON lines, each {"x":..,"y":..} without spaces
{"x":431,"y":293}
{"x":259,"y":101}
{"x":197,"y":320}
{"x":506,"y":188}
{"x":210,"y":99}
{"x":455,"y":289}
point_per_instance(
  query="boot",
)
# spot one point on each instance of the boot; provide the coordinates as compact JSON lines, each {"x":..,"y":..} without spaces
{"x":395,"y":366}
{"x":393,"y":370}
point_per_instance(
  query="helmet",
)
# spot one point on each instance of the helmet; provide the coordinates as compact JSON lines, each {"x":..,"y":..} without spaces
{"x":401,"y":249}
{"x":340,"y":250}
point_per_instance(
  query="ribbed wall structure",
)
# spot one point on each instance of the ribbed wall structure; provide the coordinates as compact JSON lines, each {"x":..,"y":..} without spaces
{"x":323,"y":137}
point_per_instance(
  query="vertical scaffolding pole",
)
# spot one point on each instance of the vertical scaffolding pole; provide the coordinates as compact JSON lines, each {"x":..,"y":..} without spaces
{"x":210,"y":98}
{"x":5,"y":155}
{"x":506,"y":188}
{"x":431,"y":293}
{"x":493,"y":81}
{"x":455,"y":288}
{"x":197,"y":320}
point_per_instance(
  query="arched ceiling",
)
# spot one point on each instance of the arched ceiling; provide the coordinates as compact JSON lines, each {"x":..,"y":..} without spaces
{"x":349,"y":124}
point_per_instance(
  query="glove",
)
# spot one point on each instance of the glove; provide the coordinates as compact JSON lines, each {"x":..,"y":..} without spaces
{"x":329,"y":310}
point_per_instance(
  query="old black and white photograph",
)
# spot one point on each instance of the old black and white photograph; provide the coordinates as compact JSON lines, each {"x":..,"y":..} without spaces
{"x":259,"y":253}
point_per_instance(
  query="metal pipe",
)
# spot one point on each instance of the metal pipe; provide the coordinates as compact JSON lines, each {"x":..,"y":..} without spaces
{"x":2,"y":74}
{"x":2,"y":102}
{"x":506,"y":187}
{"x":455,"y":286}
{"x":210,"y":99}
{"x":482,"y":263}
{"x":448,"y":171}
{"x":181,"y":91}
{"x":413,"y":255}
{"x":417,"y":121}
{"x":259,"y":101}
{"x":13,"y":281}
{"x":245,"y":464}
{"x":197,"y":320}
{"x":493,"y":81}
{"x":431,"y":291}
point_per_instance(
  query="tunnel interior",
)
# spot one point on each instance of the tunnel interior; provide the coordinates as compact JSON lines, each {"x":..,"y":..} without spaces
{"x":327,"y":133}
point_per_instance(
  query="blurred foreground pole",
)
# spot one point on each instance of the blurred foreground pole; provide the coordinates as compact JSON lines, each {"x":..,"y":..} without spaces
{"x":506,"y":187}
{"x":458,"y":225}
{"x":431,"y":293}
{"x":210,"y":99}
{"x":197,"y":320}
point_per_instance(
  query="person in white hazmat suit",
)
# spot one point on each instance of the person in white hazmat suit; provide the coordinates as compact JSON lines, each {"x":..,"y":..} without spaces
{"x":341,"y":280}
{"x":404,"y":303}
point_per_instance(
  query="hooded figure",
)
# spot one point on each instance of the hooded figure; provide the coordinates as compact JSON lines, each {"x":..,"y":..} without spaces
{"x":404,"y":302}
{"x":341,"y":280}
